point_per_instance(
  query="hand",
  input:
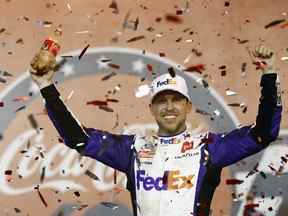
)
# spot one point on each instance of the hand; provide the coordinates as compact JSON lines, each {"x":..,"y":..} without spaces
{"x":264,"y":59}
{"x":43,"y":68}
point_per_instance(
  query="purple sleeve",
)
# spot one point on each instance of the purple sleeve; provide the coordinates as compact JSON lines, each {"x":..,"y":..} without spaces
{"x":226,"y":149}
{"x":111,"y":149}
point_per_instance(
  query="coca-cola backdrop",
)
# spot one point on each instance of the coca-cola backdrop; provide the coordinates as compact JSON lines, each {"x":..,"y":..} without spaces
{"x":129,"y":43}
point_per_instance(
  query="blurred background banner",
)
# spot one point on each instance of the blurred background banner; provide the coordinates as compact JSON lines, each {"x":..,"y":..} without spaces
{"x":111,"y":49}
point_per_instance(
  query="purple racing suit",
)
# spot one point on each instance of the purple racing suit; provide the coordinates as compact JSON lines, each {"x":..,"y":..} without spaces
{"x":177,"y":175}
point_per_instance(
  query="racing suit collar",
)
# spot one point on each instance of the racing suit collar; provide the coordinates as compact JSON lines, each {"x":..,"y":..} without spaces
{"x":175,"y":139}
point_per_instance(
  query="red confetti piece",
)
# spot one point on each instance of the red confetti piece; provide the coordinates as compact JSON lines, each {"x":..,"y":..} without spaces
{"x":83,"y":52}
{"x":149,"y":67}
{"x":115,"y":66}
{"x":285,"y":25}
{"x":97,"y":103}
{"x":161,"y":54}
{"x":136,"y":38}
{"x":234,"y":181}
{"x":250,"y":206}
{"x":173,"y":18}
{"x":196,"y":68}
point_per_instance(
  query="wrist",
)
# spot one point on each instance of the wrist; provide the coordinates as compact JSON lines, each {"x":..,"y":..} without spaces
{"x":44,"y":84}
{"x":269,"y":70}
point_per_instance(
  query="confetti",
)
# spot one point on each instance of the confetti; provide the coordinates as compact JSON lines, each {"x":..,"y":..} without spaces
{"x":97,"y":103}
{"x":2,"y":80}
{"x":242,"y":41}
{"x":172,"y":72}
{"x":69,"y":7}
{"x":173,"y":18}
{"x":106,"y":108}
{"x":116,"y":122}
{"x":5,"y":73}
{"x":202,"y":112}
{"x":285,"y":58}
{"x":1,"y":104}
{"x":187,"y":59}
{"x":114,"y":6}
{"x":130,"y":24}
{"x":21,"y":99}
{"x":83,"y":32}
{"x":142,"y":91}
{"x":149,"y":67}
{"x":233,"y":181}
{"x":17,"y":210}
{"x":77,"y":194}
{"x":285,"y":25}
{"x":83,"y":51}
{"x":115,"y":66}
{"x":110,"y":205}
{"x":230,"y":93}
{"x":2,"y":30}
{"x":42,"y":175}
{"x":227,"y":4}
{"x":41,"y":196}
{"x":196,"y":68}
{"x":33,"y":121}
{"x":20,"y":108}
{"x":136,"y":38}
{"x":8,"y":175}
{"x":20,"y":41}
{"x":69,"y":96}
{"x":109,"y":76}
{"x":91,"y":175}
{"x":112,"y":100}
{"x":274,"y":23}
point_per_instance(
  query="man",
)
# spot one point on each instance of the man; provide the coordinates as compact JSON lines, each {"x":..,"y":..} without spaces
{"x":175,"y":172}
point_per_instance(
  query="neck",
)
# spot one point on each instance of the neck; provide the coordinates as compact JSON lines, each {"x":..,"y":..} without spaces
{"x":163,"y":132}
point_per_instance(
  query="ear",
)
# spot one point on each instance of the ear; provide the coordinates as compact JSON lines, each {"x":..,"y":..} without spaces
{"x":151,"y":109}
{"x":189,"y":107}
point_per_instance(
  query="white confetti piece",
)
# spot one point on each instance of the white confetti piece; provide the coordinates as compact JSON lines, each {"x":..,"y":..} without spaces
{"x":83,"y":32}
{"x":217,"y":112}
{"x":187,"y":59}
{"x":285,"y":58}
{"x":230,"y":93}
{"x":142,"y":91}
{"x":69,"y":7}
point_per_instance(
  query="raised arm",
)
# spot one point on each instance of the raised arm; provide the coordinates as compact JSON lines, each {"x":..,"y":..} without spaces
{"x":226,"y":149}
{"x":110,"y":149}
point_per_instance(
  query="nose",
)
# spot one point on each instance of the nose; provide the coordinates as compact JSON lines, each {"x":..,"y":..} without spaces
{"x":169,"y":105}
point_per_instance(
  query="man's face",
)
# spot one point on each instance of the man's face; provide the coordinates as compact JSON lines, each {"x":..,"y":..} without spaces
{"x":170,"y":109}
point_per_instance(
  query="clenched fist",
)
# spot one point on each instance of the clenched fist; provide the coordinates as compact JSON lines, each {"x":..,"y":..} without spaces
{"x":43,"y":68}
{"x":264,"y":59}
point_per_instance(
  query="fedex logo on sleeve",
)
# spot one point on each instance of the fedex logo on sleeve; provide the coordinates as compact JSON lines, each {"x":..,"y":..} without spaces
{"x":171,"y":180}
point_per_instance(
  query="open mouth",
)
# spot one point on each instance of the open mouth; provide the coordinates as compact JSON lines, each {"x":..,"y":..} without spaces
{"x":169,"y":117}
